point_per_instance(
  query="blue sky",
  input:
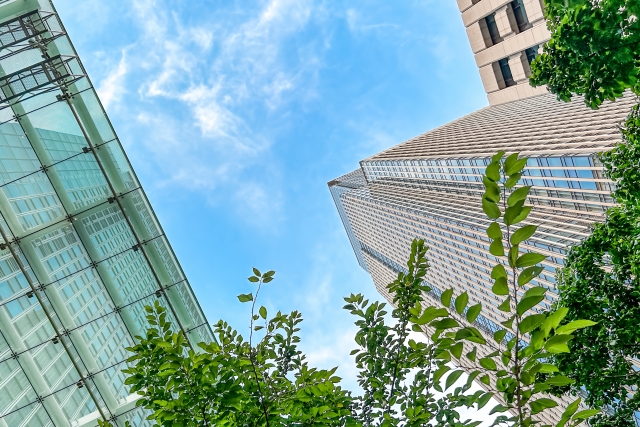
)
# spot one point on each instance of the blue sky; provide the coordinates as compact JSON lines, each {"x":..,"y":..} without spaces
{"x":235,"y":114}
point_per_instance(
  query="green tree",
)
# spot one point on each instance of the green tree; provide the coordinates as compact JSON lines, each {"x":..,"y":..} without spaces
{"x":593,"y":50}
{"x":266,"y":381}
{"x":600,"y":281}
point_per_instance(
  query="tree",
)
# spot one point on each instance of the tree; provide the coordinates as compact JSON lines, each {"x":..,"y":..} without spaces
{"x":593,"y":50}
{"x":267,"y":381}
{"x":601,"y":282}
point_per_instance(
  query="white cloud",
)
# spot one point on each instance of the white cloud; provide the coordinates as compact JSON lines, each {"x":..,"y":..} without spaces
{"x":112,"y":88}
{"x":217,"y":77}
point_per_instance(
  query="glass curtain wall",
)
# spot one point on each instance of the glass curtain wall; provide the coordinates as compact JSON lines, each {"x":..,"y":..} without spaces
{"x":81,"y":251}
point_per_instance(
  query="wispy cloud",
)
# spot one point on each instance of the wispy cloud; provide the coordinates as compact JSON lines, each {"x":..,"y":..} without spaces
{"x":223,"y":80}
{"x":113,"y":87}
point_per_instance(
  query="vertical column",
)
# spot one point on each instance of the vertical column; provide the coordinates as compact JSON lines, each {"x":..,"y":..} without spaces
{"x":534,"y":9}
{"x":506,"y":22}
{"x":520,"y":69}
{"x":479,"y":36}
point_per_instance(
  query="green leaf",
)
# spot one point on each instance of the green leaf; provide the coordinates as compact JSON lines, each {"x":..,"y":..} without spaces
{"x":456,"y":350}
{"x":473,"y":312}
{"x":245,"y":297}
{"x":472,"y":354}
{"x":484,"y":399}
{"x":498,"y":271}
{"x":498,"y":156}
{"x":492,"y":190}
{"x":485,"y":379}
{"x":528,"y":303}
{"x":452,"y":378}
{"x":513,"y":180}
{"x":263,"y":312}
{"x":571,"y":409}
{"x":500,"y":287}
{"x":523,"y":234}
{"x":558,"y":344}
{"x":498,"y":336}
{"x":491,"y":209}
{"x":493,"y":171}
{"x":530,"y":323}
{"x":587,"y":413}
{"x":430,"y":314}
{"x":547,"y":368}
{"x":535,"y":291}
{"x":540,"y":405}
{"x":528,"y":274}
{"x":515,"y":219}
{"x":516,"y":167}
{"x":529,"y":259}
{"x":498,"y":409}
{"x":557,"y":348}
{"x":574,"y":326}
{"x":513,"y":255}
{"x":559,"y":380}
{"x":440,"y":373}
{"x":445,"y":298}
{"x":461,"y":302}
{"x":445,"y":324}
{"x":506,"y":305}
{"x":554,"y":320}
{"x":494,"y":231}
{"x":253,"y":279}
{"x":508,"y":162}
{"x":518,"y":195}
{"x":488,"y":363}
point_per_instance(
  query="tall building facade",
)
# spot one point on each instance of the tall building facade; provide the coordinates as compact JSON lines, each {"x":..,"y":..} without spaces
{"x":430,"y":187}
{"x":505,"y":36}
{"x":81,"y":251}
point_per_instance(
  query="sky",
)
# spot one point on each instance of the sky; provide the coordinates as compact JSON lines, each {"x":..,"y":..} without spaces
{"x":236,"y":113}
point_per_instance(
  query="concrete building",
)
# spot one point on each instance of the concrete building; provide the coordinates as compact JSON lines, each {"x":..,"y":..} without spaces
{"x":430,"y":186}
{"x":505,"y":37}
{"x":81,"y":251}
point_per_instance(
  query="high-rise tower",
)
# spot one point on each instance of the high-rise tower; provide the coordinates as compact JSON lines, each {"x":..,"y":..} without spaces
{"x":81,"y":251}
{"x":430,"y":187}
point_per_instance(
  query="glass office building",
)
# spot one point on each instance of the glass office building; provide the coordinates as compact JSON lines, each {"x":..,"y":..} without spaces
{"x":430,"y":187}
{"x":81,"y":251}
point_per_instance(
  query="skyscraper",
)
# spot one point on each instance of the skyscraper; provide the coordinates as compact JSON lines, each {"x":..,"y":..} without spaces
{"x":430,"y":187}
{"x":81,"y":251}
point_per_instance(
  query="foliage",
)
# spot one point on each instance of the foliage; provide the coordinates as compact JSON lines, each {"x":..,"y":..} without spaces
{"x":232,"y":381}
{"x":600,"y":281}
{"x":405,"y":382}
{"x":594,"y":49}
{"x":529,"y":337}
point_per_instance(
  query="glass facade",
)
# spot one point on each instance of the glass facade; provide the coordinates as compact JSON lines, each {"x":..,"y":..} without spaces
{"x":430,"y":187}
{"x":81,"y":251}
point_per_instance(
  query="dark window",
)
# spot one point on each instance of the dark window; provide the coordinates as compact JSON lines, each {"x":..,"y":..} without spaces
{"x":531,"y":53}
{"x":506,"y":72}
{"x":520,"y":15}
{"x":493,"y":28}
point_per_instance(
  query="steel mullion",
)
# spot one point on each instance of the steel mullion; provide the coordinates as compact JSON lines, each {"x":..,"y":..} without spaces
{"x":140,"y":243}
{"x":34,"y":289}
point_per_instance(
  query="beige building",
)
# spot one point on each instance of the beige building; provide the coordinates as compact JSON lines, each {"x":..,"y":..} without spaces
{"x":505,"y":37}
{"x":430,"y":186}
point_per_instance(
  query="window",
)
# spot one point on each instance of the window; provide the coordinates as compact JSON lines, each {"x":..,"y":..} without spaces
{"x":493,"y":28}
{"x":521,"y":15}
{"x":506,"y":72}
{"x":531,"y":53}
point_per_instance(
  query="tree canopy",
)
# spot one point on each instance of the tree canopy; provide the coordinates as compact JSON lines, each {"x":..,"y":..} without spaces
{"x":593,"y":50}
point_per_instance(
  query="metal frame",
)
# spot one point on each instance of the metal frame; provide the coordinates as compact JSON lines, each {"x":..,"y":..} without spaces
{"x":53,"y":74}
